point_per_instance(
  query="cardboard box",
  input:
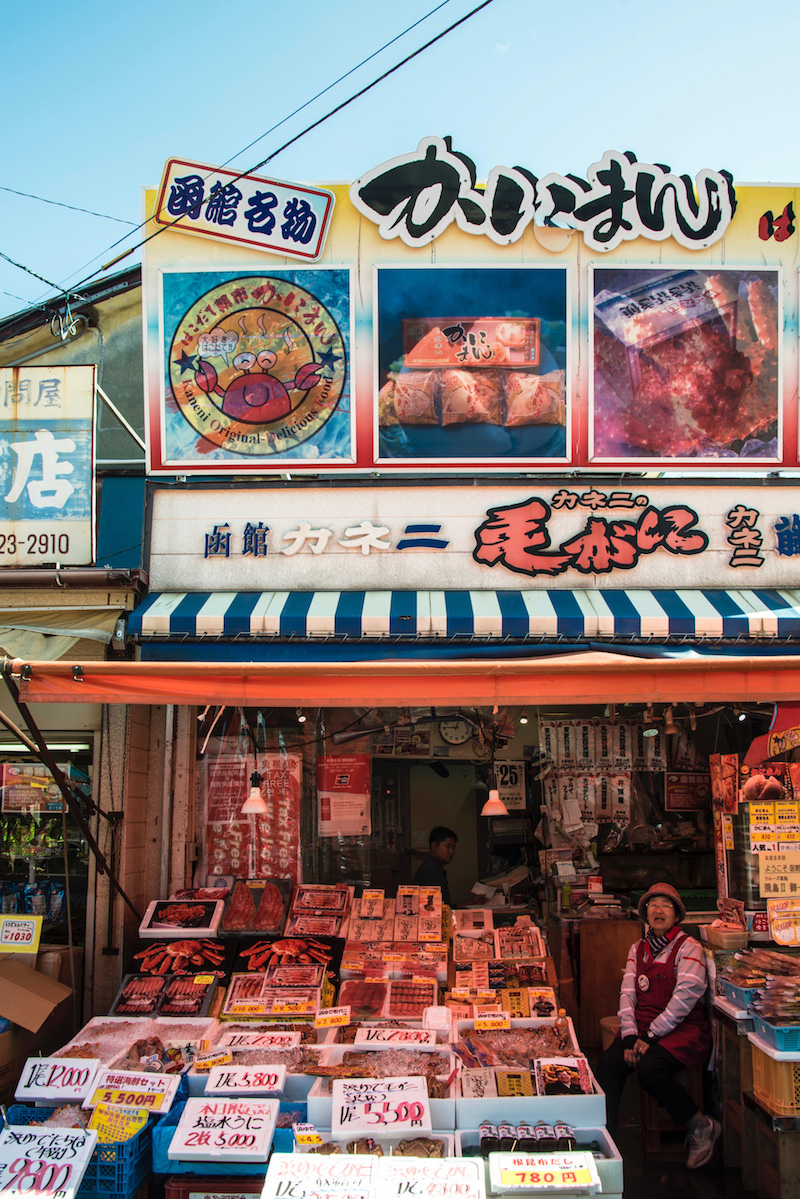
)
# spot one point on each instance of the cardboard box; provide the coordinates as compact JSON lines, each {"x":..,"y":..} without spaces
{"x":53,"y":960}
{"x":40,"y":1008}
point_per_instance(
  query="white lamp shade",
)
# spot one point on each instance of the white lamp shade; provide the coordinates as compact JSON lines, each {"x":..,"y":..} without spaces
{"x":494,"y":805}
{"x":255,"y":804}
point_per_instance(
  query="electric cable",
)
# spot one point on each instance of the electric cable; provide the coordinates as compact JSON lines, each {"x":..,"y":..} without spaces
{"x":309,"y":128}
{"x":73,"y":208}
{"x":278,"y":124}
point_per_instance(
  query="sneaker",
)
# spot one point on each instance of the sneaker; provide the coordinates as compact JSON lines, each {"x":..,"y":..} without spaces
{"x":701,"y":1142}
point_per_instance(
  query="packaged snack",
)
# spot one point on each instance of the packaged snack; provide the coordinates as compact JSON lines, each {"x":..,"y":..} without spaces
{"x":36,"y":898}
{"x":472,"y":397}
{"x":415,"y":395}
{"x":535,"y":399}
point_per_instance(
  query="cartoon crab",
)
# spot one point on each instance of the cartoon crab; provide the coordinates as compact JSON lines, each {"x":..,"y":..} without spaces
{"x":258,"y":396}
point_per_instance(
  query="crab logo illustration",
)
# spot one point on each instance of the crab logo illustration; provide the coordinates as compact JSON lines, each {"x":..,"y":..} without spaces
{"x":257,"y":365}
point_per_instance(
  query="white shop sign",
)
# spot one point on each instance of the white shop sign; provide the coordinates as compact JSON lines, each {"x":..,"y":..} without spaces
{"x":61,"y":1079}
{"x":639,"y":534}
{"x":246,"y":1080}
{"x":448,"y":1178}
{"x":420,"y":1037}
{"x":48,"y":1162}
{"x":220,"y":1130}
{"x":380,"y":1105}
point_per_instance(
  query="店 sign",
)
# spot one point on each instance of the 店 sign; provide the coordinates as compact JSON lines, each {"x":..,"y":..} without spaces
{"x":47,"y":469}
{"x":284,"y":218}
{"x":47,"y":1162}
{"x":649,"y":535}
{"x":380,"y":1105}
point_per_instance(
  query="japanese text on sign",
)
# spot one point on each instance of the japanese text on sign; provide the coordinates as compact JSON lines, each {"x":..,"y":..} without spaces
{"x":46,"y":1162}
{"x":380,"y":1105}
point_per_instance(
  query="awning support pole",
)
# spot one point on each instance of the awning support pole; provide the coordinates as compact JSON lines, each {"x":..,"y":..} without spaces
{"x":42,"y":752}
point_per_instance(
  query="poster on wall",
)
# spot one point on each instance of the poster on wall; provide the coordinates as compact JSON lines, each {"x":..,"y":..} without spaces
{"x":28,"y":788}
{"x":344,"y":804}
{"x":471,"y":363}
{"x":265,"y":846}
{"x":685,"y":363}
{"x":255,"y":368}
{"x":686,"y":792}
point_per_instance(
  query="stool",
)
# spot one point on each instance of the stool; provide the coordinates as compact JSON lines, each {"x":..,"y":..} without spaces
{"x":661,"y":1138}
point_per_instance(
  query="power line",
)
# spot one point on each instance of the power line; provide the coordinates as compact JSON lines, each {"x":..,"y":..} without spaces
{"x":283,"y":121}
{"x":308,"y":129}
{"x":28,"y":271}
{"x":72,"y":207}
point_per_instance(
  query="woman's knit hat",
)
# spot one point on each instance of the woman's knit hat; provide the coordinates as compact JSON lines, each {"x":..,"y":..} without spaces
{"x":669,"y":893}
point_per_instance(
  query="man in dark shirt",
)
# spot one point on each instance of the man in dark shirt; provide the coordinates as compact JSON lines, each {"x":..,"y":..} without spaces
{"x":431,"y":872}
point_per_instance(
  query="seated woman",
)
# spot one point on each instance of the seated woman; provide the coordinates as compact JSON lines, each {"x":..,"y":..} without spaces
{"x":663,"y":1023}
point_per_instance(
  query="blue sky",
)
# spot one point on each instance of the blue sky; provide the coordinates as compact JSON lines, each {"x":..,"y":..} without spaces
{"x":97,"y":96}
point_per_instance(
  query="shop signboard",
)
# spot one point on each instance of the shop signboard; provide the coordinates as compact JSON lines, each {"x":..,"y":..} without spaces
{"x":644,"y":534}
{"x":778,"y":872}
{"x":380,"y":1106}
{"x":290,"y":219}
{"x":49,"y":1162}
{"x":588,"y":319}
{"x":47,"y":466}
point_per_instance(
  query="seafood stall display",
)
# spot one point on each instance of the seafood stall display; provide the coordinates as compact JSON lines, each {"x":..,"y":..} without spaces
{"x":257,"y":905}
{"x":181,"y":918}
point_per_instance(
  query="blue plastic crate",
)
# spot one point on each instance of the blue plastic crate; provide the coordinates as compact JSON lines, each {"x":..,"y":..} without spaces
{"x":741,"y":997}
{"x":114,"y":1170}
{"x":786,"y":1037}
{"x":164,"y":1130}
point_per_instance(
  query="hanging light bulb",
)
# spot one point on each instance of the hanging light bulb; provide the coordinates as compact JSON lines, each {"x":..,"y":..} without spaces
{"x":301,"y":716}
{"x":650,"y":729}
{"x":255,"y":804}
{"x":692,"y":719}
{"x":494,"y":805}
{"x":523,"y":717}
{"x":670,"y":727}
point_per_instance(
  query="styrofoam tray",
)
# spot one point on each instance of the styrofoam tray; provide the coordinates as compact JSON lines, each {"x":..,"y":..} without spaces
{"x":609,"y":1170}
{"x":320,"y":1105}
{"x":387,"y":1142}
{"x":777,"y":1055}
{"x":296,"y":1089}
{"x":460,"y":1026}
{"x":139,"y":1026}
{"x":149,"y":929}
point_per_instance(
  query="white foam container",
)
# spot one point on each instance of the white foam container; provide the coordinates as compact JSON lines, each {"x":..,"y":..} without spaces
{"x":320,"y":1106}
{"x":609,"y":1170}
{"x":460,"y":1026}
{"x":296,"y":1089}
{"x":388,"y":1142}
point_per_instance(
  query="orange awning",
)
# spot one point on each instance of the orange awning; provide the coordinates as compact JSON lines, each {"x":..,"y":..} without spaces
{"x":583,"y":678}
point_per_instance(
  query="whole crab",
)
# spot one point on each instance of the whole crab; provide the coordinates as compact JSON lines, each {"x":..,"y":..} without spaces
{"x":285,"y":952}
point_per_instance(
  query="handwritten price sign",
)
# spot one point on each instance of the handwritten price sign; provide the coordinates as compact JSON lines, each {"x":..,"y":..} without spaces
{"x":56,"y":1078}
{"x":232,"y":1130}
{"x":329,"y":1176}
{"x":259,"y":1040}
{"x":453,"y":1178}
{"x":421,"y":1037}
{"x":380,"y":1105}
{"x":543,"y":1173}
{"x":332,"y":1017}
{"x":246,"y":1080}
{"x":47,"y":1162}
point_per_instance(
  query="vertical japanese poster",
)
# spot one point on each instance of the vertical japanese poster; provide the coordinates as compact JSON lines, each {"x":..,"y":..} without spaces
{"x":685,"y":363}
{"x":256,"y":368}
{"x":47,"y":465}
{"x":254,"y":846}
{"x":471,"y":363}
{"x":343,"y":796}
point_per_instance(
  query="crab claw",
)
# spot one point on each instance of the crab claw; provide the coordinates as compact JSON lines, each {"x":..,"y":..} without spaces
{"x":307,"y":377}
{"x":206,"y":376}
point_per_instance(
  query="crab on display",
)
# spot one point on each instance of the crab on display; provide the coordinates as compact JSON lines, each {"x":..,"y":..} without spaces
{"x":175,"y":957}
{"x":285,"y":952}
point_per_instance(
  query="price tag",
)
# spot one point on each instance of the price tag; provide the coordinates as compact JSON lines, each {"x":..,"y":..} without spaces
{"x":259,"y":1040}
{"x":206,"y":1061}
{"x":380,"y":1105}
{"x":62,"y":1079}
{"x":486,"y":1018}
{"x":129,"y":1088}
{"x":330,"y":1176}
{"x":446,"y":1178}
{"x":394,"y":957}
{"x":542,"y":1172}
{"x":20,"y":934}
{"x":306,"y":1134}
{"x":50,"y":1163}
{"x":332,"y":1017}
{"x":246,"y":1080}
{"x":241,"y":1130}
{"x":248,"y":1009}
{"x":371,"y":905}
{"x":293,"y":1005}
{"x":117,"y":1124}
{"x":204,"y":980}
{"x":395,"y":1036}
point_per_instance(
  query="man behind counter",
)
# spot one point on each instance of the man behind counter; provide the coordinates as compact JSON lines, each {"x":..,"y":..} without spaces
{"x":431,"y":873}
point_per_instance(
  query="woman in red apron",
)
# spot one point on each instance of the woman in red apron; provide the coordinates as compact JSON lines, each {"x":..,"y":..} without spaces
{"x":663,"y":1023}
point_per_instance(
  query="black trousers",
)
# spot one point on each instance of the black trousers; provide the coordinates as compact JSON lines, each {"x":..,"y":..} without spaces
{"x":656,"y":1072}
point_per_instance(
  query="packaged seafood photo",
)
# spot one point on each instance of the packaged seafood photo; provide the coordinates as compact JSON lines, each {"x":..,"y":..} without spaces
{"x":257,"y":905}
{"x":181,"y":918}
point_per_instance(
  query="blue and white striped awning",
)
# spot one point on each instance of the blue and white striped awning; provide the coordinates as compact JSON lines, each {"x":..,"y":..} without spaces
{"x":680,"y":615}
